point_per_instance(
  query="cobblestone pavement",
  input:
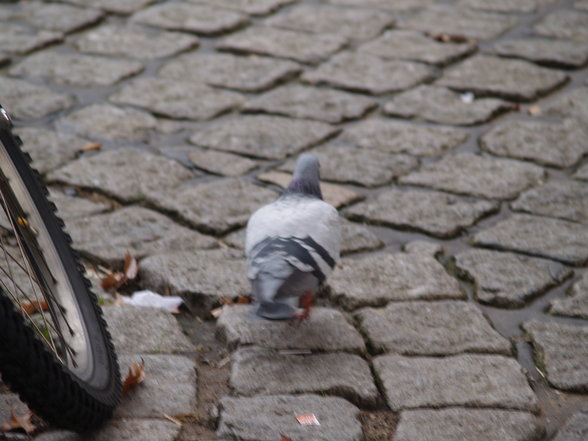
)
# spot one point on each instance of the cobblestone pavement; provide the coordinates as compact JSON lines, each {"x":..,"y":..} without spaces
{"x":453,"y":137}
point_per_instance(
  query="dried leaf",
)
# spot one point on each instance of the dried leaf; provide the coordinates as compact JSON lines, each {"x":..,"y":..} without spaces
{"x":448,"y":38}
{"x":92,"y":146}
{"x":226,"y":301}
{"x":34,"y":306}
{"x":308,"y":419}
{"x":19,"y":421}
{"x":242,"y":299}
{"x":135,"y":376}
{"x":284,"y":437}
{"x":130,"y":267}
{"x":216,"y":312}
{"x":534,"y":110}
{"x":113,"y":280}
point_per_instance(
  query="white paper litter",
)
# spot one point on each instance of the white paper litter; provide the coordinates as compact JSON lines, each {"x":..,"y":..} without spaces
{"x":467,"y":97}
{"x":154,"y":300}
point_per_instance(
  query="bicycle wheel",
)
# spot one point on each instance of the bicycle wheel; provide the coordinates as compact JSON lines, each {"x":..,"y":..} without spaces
{"x":55,"y":350}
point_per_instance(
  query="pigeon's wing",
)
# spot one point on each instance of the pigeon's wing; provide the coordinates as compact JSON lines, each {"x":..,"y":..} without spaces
{"x":301,"y":230}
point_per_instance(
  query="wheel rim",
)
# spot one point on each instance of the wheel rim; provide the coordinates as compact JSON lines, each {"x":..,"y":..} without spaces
{"x":32,"y":274}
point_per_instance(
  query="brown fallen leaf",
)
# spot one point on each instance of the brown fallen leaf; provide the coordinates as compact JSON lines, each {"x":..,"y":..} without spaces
{"x":135,"y":376}
{"x":19,"y":421}
{"x":30,"y":307}
{"x":225,"y":300}
{"x":130,"y":267}
{"x":242,"y":299}
{"x":112,"y":280}
{"x":284,"y":437}
{"x":92,"y":146}
{"x":449,"y":38}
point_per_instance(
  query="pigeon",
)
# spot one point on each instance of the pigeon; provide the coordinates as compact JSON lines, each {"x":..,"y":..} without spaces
{"x":292,"y":245}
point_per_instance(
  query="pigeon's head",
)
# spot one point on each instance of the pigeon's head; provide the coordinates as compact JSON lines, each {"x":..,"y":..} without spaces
{"x":306,"y":177}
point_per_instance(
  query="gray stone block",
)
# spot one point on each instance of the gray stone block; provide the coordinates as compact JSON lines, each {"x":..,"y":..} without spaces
{"x":313,"y":103}
{"x":435,"y":213}
{"x":467,"y":424}
{"x":24,"y":100}
{"x":341,"y":162}
{"x":560,"y":53}
{"x":217,"y":206}
{"x":253,"y":7}
{"x":552,"y":238}
{"x":141,"y":330}
{"x":221,"y":163}
{"x":169,"y":387}
{"x":201,"y":277}
{"x":134,"y":42}
{"x":352,"y":23}
{"x":248,"y":74}
{"x":71,"y":207}
{"x":576,"y":304}
{"x":271,"y":137}
{"x":564,"y":23}
{"x":262,"y":371}
{"x":459,"y":21}
{"x":521,"y":6}
{"x":142,"y":232}
{"x":460,"y":380}
{"x":573,"y":104}
{"x":49,"y":149}
{"x":76,"y":70}
{"x":19,"y":39}
{"x":411,"y":45}
{"x":431,"y":328}
{"x":575,"y":429}
{"x":127,"y":174}
{"x":394,"y":137}
{"x":266,"y":417}
{"x":177,"y":99}
{"x":441,"y":105}
{"x":582,"y":173}
{"x":554,"y":144}
{"x":508,"y":279}
{"x":560,"y":351}
{"x":283,"y":43}
{"x":108,"y":122}
{"x":511,"y":79}
{"x":378,"y":279}
{"x":478,"y":176}
{"x":53,"y":17}
{"x":200,"y":19}
{"x":325,"y":330}
{"x":385,"y":5}
{"x":363,"y":72}
{"x":563,"y":199}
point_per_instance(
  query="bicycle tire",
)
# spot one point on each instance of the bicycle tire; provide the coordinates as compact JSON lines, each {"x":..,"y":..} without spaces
{"x":69,"y":393}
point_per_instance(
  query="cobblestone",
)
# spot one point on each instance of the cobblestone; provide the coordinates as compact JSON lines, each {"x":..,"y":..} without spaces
{"x":127,"y":174}
{"x":248,"y":74}
{"x":177,"y":99}
{"x":441,"y":105}
{"x":435,"y":213}
{"x":567,"y":54}
{"x":359,"y":24}
{"x":380,"y":278}
{"x":576,"y":304}
{"x":253,"y":7}
{"x":134,"y":42}
{"x":76,"y":70}
{"x":511,"y":79}
{"x":116,"y":6}
{"x":456,"y":423}
{"x":564,"y":23}
{"x":556,"y":346}
{"x":25,"y":100}
{"x":554,"y":144}
{"x":283,"y":43}
{"x":19,"y":39}
{"x":508,"y":279}
{"x":575,"y":428}
{"x":325,"y":330}
{"x":573,"y":104}
{"x":411,"y":45}
{"x":430,"y":328}
{"x":362,"y":72}
{"x":313,"y":103}
{"x":552,"y":238}
{"x":271,"y":137}
{"x":460,"y":380}
{"x":261,"y":371}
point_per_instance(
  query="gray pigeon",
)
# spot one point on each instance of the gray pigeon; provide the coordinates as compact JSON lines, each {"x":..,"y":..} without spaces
{"x":292,"y":245}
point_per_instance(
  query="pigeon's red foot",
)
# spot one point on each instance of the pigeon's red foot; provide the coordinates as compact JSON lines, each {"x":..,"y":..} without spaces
{"x":306,"y":302}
